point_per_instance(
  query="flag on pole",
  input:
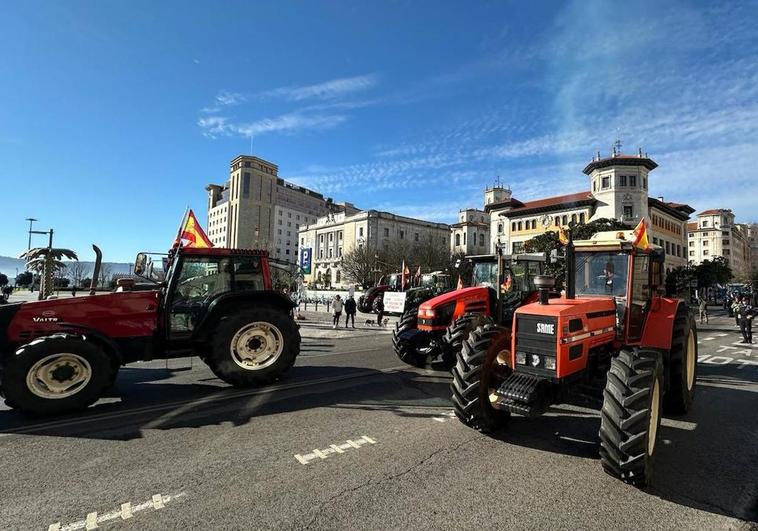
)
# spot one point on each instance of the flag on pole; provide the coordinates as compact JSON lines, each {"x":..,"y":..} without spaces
{"x":460,"y":283}
{"x":404,"y":276}
{"x":192,"y":233}
{"x":417,"y":276}
{"x":563,"y":236}
{"x":640,"y":236}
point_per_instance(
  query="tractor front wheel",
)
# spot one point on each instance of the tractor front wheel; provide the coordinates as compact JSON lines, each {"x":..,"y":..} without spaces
{"x":55,"y":374}
{"x":481,"y":364}
{"x":405,"y":349}
{"x":683,"y":364}
{"x":457,"y":333}
{"x":631,"y":415}
{"x":253,"y":346}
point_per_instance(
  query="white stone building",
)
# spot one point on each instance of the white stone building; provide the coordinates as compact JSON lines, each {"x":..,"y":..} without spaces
{"x":715,"y":233}
{"x":471,"y":234}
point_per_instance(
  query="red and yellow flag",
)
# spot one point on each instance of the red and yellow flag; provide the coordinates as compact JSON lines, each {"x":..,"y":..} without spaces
{"x":563,"y":236}
{"x":191,"y":234}
{"x":460,"y":283}
{"x":640,"y":236}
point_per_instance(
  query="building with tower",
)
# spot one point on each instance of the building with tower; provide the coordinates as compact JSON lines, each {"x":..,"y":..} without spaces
{"x":255,"y":208}
{"x":618,"y":188}
{"x":471,"y":234}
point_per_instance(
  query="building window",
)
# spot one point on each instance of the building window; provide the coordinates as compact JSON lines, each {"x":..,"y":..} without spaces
{"x":705,"y":243}
{"x":725,"y":242}
{"x":705,"y":253}
{"x":668,"y":248}
{"x":633,"y":181}
{"x":692,"y":253}
{"x":464,"y":238}
{"x":415,"y":236}
{"x":278,"y":231}
{"x":594,"y":185}
{"x":331,"y":253}
{"x":331,"y":236}
{"x":518,"y":247}
{"x":692,"y":244}
{"x":247,"y":164}
{"x":481,"y":240}
{"x":679,"y":250}
{"x":339,"y":251}
{"x":573,"y":218}
{"x":644,"y":183}
{"x":246,"y":185}
{"x":360,"y":232}
{"x":704,"y":223}
{"x":321,"y":253}
{"x":534,"y":224}
{"x":622,"y":180}
{"x":564,"y":220}
{"x":402,"y":234}
{"x":457,"y":240}
{"x":655,"y":240}
{"x":519,"y":225}
{"x":339,"y":235}
{"x":513,"y":226}
{"x":320,"y":238}
{"x":628,"y":212}
{"x":557,"y":221}
{"x":581,"y":217}
{"x":386,"y":232}
{"x":499,"y":228}
{"x":286,"y":251}
{"x":606,"y":183}
{"x":280,"y":222}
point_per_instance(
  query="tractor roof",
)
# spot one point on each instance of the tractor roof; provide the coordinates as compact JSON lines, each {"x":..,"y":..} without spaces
{"x":222,"y":251}
{"x":609,"y":240}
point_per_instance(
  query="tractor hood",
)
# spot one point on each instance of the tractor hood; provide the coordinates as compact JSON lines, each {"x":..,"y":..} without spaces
{"x":474,"y":293}
{"x":567,"y":308}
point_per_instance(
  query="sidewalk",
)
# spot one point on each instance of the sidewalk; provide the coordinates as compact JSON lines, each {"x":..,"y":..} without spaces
{"x":718,"y":320}
{"x":324,"y":320}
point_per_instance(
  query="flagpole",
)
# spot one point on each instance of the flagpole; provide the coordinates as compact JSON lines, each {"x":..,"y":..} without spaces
{"x":181,"y":226}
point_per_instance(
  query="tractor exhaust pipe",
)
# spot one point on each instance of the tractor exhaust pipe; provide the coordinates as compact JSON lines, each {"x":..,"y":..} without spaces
{"x":96,"y":272}
{"x":544,"y":283}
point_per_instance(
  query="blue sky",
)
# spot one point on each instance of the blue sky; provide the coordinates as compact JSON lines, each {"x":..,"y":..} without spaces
{"x":114,"y":116}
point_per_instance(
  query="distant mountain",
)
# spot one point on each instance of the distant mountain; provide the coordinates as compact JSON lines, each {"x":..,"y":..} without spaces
{"x":8,"y":266}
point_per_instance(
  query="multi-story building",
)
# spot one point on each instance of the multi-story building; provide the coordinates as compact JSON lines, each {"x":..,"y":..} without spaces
{"x":471,"y":234}
{"x":715,"y":233}
{"x":752,"y":236}
{"x":618,"y":188}
{"x":338,"y":233}
{"x":255,"y":208}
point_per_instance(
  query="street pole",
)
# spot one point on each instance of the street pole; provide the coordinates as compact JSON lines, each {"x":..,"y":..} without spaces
{"x":30,"y":220}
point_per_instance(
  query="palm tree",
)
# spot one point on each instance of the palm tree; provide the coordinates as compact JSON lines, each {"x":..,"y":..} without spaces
{"x":45,"y":261}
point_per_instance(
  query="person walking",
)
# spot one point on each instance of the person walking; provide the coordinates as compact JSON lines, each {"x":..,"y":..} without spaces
{"x":735,"y":310}
{"x":379,"y":310}
{"x":703,"y":307}
{"x":746,"y":311}
{"x":336,"y":311}
{"x":350,"y":309}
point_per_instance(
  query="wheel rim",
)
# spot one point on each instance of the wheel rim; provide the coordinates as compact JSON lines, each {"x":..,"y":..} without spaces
{"x":58,"y":376}
{"x":691,"y":361}
{"x":654,"y":413}
{"x":256,"y":345}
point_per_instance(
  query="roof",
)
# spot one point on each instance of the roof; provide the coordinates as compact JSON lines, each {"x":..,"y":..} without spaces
{"x":557,"y":202}
{"x":620,"y":160}
{"x":713,"y":211}
{"x":512,"y":202}
{"x":678,"y":210}
{"x":692,"y":226}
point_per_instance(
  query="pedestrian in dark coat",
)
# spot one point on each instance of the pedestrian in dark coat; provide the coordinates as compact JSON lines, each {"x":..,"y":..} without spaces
{"x":350,"y":309}
{"x":745,"y":313}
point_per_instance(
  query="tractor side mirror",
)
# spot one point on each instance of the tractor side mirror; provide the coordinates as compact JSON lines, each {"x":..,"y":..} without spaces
{"x":140,"y":264}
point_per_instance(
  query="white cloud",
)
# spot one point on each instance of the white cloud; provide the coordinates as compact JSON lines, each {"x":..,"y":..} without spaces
{"x":214,"y":126}
{"x":326,"y":90}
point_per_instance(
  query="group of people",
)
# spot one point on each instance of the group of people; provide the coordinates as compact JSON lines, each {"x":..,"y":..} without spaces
{"x":350,"y":308}
{"x":744,"y":311}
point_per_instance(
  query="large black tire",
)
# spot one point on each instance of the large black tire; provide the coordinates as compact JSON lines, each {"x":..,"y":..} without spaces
{"x":55,"y":374}
{"x":406,"y":350}
{"x":456,"y":334}
{"x":631,"y":415}
{"x":476,"y":369}
{"x":253,"y":346}
{"x":683,"y":364}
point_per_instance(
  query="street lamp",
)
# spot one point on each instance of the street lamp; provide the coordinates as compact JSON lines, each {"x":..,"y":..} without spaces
{"x":30,"y":220}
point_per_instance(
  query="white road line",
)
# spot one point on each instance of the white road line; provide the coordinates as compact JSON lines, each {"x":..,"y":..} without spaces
{"x":720,"y":335}
{"x":334,"y":449}
{"x":230,"y":395}
{"x":708,"y":338}
{"x":126,"y":511}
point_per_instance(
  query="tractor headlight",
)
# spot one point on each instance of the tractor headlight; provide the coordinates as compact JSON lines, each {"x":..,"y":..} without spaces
{"x":535,"y":360}
{"x":550,"y":363}
{"x":521,"y":358}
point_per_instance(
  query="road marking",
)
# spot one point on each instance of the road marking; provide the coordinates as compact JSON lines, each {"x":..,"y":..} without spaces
{"x":230,"y":395}
{"x":334,"y":449}
{"x":720,"y":335}
{"x":126,"y":511}
{"x":745,"y":345}
{"x":708,"y":338}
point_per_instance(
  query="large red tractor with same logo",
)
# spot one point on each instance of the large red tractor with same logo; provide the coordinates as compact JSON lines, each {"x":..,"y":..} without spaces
{"x":60,"y":355}
{"x":613,"y":327}
{"x":431,"y":333}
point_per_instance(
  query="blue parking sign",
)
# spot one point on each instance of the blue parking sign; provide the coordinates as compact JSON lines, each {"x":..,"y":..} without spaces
{"x":305,"y":260}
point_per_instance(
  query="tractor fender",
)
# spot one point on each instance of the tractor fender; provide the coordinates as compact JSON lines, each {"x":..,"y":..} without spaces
{"x":217,"y":309}
{"x":659,"y":325}
{"x":94,"y":335}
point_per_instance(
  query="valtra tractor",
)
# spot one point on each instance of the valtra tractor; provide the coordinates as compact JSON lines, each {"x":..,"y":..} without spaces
{"x":60,"y":355}
{"x":612,"y":330}
{"x":433,"y":332}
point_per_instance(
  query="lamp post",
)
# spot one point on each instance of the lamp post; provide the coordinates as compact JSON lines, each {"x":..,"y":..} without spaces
{"x":30,"y":220}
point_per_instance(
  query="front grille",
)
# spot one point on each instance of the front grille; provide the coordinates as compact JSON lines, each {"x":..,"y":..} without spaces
{"x":536,"y":334}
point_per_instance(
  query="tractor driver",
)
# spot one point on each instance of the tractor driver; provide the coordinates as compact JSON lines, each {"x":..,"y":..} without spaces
{"x":614,"y":284}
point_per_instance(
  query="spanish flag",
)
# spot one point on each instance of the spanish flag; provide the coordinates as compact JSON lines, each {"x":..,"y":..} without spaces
{"x":191,"y":234}
{"x":563,"y":237}
{"x":640,"y":236}
{"x":460,"y":283}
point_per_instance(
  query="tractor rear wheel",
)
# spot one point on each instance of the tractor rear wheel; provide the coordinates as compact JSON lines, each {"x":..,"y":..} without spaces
{"x":457,"y":333}
{"x":406,"y":350}
{"x":631,"y":415}
{"x":683,"y":360}
{"x":253,"y":346}
{"x":55,"y":374}
{"x":480,"y":365}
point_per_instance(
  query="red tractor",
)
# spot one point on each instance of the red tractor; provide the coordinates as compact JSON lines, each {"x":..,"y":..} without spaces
{"x":368,"y":302}
{"x":432,"y":332}
{"x":614,"y":328}
{"x":60,"y":355}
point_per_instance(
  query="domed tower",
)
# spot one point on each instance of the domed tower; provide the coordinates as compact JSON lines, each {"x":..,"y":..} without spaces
{"x":620,"y":184}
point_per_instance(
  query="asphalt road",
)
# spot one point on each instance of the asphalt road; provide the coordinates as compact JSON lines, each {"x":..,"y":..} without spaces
{"x":352,"y":439}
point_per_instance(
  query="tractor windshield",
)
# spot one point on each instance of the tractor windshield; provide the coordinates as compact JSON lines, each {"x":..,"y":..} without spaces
{"x":601,"y":273}
{"x":485,"y":274}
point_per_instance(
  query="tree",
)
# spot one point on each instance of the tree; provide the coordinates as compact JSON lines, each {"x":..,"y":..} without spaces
{"x":61,"y":282}
{"x":358,"y":265}
{"x":710,"y":272}
{"x":46,"y":261}
{"x":24,"y":279}
{"x":3,"y":280}
{"x":106,"y":272}
{"x":85,"y":283}
{"x":678,"y":280}
{"x":77,"y":271}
